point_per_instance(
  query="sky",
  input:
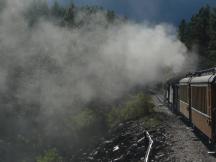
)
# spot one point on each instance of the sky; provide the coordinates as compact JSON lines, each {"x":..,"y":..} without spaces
{"x":155,"y":11}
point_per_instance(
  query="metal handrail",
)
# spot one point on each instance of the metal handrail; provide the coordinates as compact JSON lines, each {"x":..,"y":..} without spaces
{"x":198,"y":73}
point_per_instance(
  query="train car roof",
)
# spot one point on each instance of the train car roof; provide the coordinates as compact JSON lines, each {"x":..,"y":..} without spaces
{"x":203,"y":79}
{"x":185,"y":80}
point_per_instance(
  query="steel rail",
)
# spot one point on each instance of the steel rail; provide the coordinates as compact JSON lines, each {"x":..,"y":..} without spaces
{"x":149,"y":147}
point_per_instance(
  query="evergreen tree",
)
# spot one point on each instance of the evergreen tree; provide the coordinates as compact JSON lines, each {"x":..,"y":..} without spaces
{"x":110,"y":16}
{"x":36,"y":10}
{"x":182,"y":33}
{"x":212,"y":43}
{"x":57,"y":10}
{"x":199,"y":33}
{"x":70,"y":15}
{"x":198,"y":29}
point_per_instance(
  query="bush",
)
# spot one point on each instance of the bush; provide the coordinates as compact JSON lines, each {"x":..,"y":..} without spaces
{"x":83,"y":120}
{"x":137,"y":106}
{"x":50,"y":155}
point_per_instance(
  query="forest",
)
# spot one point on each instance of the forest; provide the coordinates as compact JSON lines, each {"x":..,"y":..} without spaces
{"x":199,"y":34}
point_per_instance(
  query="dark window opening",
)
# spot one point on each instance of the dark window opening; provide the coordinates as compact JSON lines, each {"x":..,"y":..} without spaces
{"x":183,"y":93}
{"x":199,"y":98}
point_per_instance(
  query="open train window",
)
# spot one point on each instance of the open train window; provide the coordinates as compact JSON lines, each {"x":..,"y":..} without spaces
{"x":199,"y":98}
{"x":183,"y":93}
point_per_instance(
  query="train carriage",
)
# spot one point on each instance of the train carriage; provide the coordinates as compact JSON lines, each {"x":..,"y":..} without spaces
{"x":196,"y":100}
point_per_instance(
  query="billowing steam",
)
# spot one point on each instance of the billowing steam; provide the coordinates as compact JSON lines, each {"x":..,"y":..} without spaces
{"x":58,"y":68}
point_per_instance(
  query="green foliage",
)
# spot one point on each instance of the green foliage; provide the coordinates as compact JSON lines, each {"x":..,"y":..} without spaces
{"x":83,"y":120}
{"x":36,"y":10}
{"x":183,"y":31}
{"x":138,"y":106}
{"x":151,"y":121}
{"x":111,"y":16}
{"x":50,"y":155}
{"x":135,"y":107}
{"x":57,"y":10}
{"x":200,"y":32}
{"x":63,"y":15}
{"x":69,"y":15}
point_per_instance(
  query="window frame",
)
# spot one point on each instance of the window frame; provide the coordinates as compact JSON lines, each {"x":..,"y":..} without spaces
{"x":184,"y":96}
{"x":201,"y":97}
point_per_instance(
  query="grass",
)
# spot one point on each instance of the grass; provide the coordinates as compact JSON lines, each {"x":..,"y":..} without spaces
{"x":151,"y":121}
{"x":83,"y":120}
{"x":136,"y":107}
{"x":50,"y":155}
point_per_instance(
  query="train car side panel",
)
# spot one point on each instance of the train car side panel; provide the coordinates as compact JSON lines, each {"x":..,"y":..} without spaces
{"x":184,"y":108}
{"x":202,"y":122}
{"x":213,"y":111}
{"x":201,"y":109}
{"x":184,"y":100}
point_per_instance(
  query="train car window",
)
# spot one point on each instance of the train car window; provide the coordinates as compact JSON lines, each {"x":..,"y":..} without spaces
{"x":199,"y":98}
{"x":183,"y":93}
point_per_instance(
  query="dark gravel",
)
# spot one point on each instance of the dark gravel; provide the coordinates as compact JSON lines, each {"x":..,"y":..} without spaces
{"x":184,"y":144}
{"x":128,"y":143}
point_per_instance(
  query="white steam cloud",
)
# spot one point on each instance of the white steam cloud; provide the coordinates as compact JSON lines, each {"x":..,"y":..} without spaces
{"x":62,"y":68}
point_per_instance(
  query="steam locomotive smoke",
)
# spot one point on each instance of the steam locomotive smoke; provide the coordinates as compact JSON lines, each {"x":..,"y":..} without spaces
{"x":61,"y":69}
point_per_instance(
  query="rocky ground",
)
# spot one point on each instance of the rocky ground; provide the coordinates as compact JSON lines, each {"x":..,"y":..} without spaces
{"x":186,"y":144}
{"x":128,"y":143}
{"x":173,"y":141}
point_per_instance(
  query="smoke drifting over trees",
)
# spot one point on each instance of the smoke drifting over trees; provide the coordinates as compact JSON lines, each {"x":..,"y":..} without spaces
{"x":55,"y":61}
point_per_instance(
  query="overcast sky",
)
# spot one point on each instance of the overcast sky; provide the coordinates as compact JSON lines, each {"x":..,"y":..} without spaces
{"x":155,"y":11}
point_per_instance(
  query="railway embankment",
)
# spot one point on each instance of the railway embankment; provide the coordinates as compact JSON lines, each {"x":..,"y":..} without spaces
{"x":129,"y":142}
{"x":172,"y":139}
